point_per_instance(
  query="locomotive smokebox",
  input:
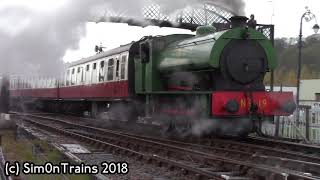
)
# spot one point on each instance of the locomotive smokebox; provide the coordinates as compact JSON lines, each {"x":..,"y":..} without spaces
{"x":238,"y":21}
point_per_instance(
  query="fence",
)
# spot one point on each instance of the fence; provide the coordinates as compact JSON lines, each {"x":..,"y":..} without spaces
{"x":307,"y":128}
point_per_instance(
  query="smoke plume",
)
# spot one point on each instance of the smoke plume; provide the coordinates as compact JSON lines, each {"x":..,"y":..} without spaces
{"x":34,"y":41}
{"x":236,"y":6}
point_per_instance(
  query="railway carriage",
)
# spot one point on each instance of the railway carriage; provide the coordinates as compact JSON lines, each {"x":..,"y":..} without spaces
{"x":211,"y":82}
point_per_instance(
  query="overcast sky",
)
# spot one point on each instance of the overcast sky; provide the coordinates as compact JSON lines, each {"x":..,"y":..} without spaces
{"x":285,"y":14}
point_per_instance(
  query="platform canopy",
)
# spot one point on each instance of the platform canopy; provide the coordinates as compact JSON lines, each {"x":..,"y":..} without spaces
{"x":187,"y":17}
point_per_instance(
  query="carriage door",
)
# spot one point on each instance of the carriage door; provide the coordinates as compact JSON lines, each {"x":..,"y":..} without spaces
{"x":121,"y":66}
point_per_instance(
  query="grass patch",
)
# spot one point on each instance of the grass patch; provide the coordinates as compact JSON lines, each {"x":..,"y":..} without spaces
{"x":36,"y":151}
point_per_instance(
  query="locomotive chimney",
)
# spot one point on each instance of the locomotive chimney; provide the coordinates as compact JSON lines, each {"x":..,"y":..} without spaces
{"x":238,"y":21}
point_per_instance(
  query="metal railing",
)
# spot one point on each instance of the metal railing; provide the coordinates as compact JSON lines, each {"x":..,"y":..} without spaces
{"x":154,"y":14}
{"x":306,"y":129}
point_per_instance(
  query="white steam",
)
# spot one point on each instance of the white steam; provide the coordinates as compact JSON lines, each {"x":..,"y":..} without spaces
{"x":34,"y":40}
{"x":203,"y":126}
{"x":236,"y":6}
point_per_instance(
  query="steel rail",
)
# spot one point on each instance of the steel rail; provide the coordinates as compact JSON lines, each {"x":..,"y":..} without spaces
{"x":266,"y":169}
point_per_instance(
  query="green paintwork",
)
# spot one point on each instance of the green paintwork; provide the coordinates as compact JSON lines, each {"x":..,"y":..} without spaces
{"x":188,"y":53}
{"x":204,"y":51}
{"x":192,"y":53}
{"x":139,"y":76}
{"x":205,"y":30}
{"x":147,"y":76}
{"x":152,"y":78}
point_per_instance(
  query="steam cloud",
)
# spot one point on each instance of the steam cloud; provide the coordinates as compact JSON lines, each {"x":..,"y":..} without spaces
{"x":33,"y":42}
{"x":236,"y":6}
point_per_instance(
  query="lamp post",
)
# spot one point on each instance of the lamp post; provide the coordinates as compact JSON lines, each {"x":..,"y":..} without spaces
{"x":308,"y":16}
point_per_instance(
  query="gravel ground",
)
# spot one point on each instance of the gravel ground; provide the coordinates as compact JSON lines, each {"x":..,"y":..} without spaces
{"x":137,"y":170}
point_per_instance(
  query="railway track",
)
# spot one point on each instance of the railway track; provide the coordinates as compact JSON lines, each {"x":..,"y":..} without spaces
{"x":141,"y":155}
{"x":294,"y":146}
{"x":206,"y":161}
{"x":298,"y":165}
{"x":263,"y":148}
{"x":258,"y":145}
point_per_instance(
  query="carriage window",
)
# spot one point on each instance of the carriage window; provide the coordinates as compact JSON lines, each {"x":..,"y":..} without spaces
{"x":117,"y":69}
{"x":72,"y":77}
{"x":102,"y":64}
{"x":123,"y":67}
{"x":94,"y":66}
{"x":101,"y":71}
{"x":67,"y":77}
{"x":110,"y":69}
{"x":78,"y":69}
{"x":88,"y":67}
{"x":82,"y":77}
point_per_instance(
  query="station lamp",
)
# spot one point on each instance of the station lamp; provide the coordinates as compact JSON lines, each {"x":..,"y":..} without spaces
{"x":307,"y":16}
